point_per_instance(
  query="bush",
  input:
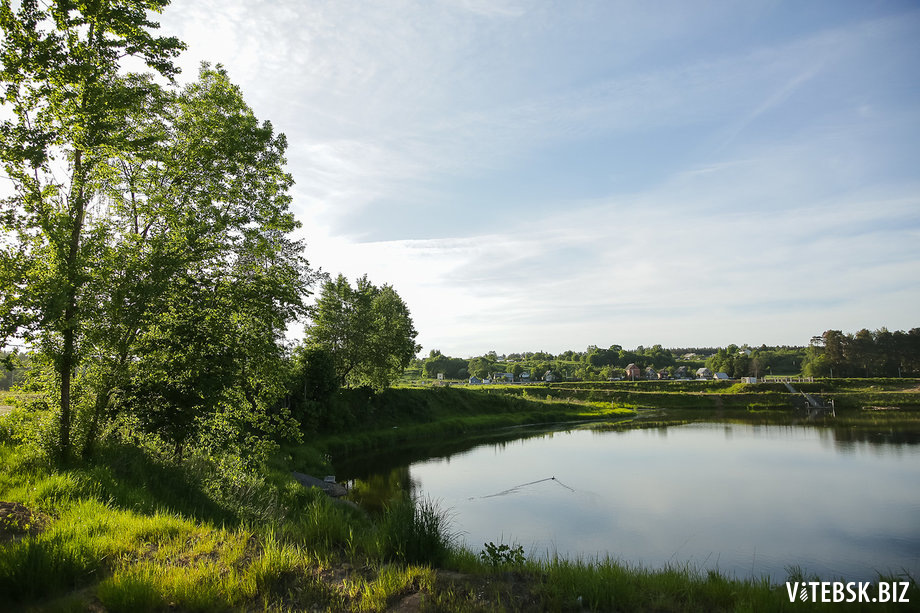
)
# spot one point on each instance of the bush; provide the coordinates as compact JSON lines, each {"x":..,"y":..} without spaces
{"x":498,"y":556}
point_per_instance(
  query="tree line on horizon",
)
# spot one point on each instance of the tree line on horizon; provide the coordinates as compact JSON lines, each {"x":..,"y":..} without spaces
{"x":831,"y":354}
{"x":864,"y":354}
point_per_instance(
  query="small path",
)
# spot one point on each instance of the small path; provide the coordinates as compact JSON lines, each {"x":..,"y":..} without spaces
{"x":814,"y":404}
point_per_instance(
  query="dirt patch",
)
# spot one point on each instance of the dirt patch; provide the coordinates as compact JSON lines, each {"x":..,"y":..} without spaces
{"x":17,"y":521}
{"x":513,"y":591}
{"x":409,"y":604}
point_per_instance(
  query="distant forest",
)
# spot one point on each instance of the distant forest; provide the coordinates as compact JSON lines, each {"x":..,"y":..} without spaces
{"x":832,"y":354}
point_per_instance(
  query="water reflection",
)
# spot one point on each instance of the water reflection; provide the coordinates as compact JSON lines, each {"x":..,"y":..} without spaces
{"x":377,"y":490}
{"x":360,"y":466}
{"x":742,"y":498}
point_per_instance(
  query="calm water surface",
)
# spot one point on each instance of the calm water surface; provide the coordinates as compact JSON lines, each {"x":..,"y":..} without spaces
{"x":746,"y":500}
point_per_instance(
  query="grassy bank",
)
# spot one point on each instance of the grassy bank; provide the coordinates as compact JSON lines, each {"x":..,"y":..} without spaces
{"x":847,"y":394}
{"x":403,"y":417}
{"x":136,"y":531}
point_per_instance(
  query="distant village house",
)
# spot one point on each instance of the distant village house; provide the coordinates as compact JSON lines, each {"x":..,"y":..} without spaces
{"x":633,"y":372}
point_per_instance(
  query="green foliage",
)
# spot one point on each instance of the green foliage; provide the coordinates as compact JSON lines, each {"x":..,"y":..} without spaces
{"x":159,"y":277}
{"x":367,"y":329}
{"x":13,"y":369}
{"x":864,"y":354}
{"x":481,"y":367}
{"x":212,"y":348}
{"x":499,"y":556}
{"x":737,"y":363}
{"x":315,"y":373}
{"x":656,"y":357}
{"x":451,"y":368}
{"x":311,"y":388}
{"x":71,"y":113}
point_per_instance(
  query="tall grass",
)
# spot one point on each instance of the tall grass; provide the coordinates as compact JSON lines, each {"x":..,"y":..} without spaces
{"x":388,"y":586}
{"x":415,"y":532}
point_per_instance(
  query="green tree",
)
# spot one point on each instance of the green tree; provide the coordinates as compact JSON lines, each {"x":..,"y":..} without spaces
{"x":741,"y":366}
{"x":863,"y":354}
{"x":480,"y":367}
{"x":202,"y":276}
{"x":835,"y":348}
{"x":391,"y":343}
{"x":68,"y":109}
{"x":312,"y":387}
{"x":161,"y":274}
{"x":317,"y":378}
{"x":368,"y":330}
{"x":451,"y":368}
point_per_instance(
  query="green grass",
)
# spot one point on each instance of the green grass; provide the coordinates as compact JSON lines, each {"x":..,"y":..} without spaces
{"x":431,"y":414}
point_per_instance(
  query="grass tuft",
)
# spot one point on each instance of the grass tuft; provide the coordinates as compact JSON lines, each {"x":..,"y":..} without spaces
{"x":415,"y":532}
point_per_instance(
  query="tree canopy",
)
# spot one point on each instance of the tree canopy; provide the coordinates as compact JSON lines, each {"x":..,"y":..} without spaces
{"x":70,"y":113}
{"x":864,"y":354}
{"x":147,"y":250}
{"x":367,"y":329}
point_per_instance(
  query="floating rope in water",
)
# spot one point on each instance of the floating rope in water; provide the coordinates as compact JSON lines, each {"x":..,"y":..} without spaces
{"x":514,"y":489}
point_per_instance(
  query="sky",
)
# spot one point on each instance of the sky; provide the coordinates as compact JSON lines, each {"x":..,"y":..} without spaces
{"x":547,"y":175}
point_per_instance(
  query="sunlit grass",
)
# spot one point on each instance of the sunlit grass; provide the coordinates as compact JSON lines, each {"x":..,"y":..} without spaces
{"x":390,"y":583}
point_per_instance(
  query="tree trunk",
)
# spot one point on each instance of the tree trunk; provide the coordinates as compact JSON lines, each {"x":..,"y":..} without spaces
{"x":102,"y":401}
{"x":69,"y":323}
{"x":66,"y":368}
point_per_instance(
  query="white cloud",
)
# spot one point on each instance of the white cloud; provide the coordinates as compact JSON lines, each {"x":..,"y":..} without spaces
{"x":753,"y":186}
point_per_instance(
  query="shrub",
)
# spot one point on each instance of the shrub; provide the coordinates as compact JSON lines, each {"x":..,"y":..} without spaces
{"x":502,"y":555}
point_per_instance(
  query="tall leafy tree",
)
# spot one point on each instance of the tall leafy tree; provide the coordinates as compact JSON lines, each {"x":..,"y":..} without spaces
{"x":159,"y":273}
{"x":203,"y":277}
{"x":367,"y":329}
{"x":68,"y":109}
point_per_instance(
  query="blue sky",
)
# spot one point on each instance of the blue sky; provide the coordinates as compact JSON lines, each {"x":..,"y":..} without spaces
{"x":537,"y":175}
